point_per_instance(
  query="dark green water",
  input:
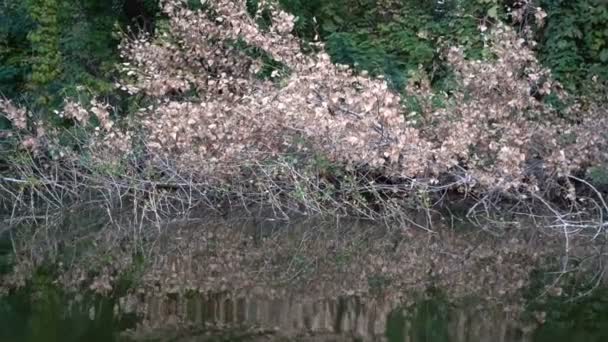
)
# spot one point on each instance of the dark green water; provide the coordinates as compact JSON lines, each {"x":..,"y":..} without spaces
{"x":583,"y":320}
{"x":48,"y":315}
{"x":45,"y":321}
{"x":42,"y":313}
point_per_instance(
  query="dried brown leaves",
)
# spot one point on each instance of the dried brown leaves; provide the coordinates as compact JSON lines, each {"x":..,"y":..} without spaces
{"x":487,"y":137}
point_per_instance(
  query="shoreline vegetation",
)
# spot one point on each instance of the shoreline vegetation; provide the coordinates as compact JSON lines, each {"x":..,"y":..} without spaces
{"x":241,"y":152}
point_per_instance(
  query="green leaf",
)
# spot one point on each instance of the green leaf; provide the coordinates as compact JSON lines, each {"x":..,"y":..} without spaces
{"x":604,"y":56}
{"x":562,"y":44}
{"x":328,"y":26}
{"x":493,"y":12}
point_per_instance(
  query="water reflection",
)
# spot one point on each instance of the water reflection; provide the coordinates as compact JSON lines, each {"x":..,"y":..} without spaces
{"x":48,"y":315}
{"x":352,"y":318}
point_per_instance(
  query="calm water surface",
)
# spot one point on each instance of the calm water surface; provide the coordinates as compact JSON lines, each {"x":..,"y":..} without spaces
{"x":47,"y":316}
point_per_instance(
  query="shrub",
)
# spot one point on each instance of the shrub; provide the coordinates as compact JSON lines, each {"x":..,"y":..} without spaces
{"x":491,"y":133}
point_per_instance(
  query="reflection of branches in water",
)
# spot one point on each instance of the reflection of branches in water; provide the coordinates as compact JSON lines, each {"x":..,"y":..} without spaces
{"x":330,"y":319}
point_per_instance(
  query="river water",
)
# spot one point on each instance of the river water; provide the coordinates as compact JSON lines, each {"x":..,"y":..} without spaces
{"x":47,"y":315}
{"x":41,"y":312}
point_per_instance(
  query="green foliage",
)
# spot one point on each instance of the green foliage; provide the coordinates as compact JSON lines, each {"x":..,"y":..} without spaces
{"x":44,"y":40}
{"x":88,"y":46}
{"x":392,"y":38}
{"x":195,"y":5}
{"x":264,"y":18}
{"x":15,"y":25}
{"x":574,"y":42}
{"x":599,"y":175}
{"x":53,"y":49}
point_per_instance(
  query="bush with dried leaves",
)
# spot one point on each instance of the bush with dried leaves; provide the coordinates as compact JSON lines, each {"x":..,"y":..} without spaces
{"x":211,"y":115}
{"x":496,"y":132}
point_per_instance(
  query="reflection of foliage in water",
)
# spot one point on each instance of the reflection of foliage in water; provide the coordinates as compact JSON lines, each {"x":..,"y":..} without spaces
{"x":6,"y":254}
{"x":41,"y":312}
{"x":585,"y":319}
{"x":429,"y":320}
{"x":576,"y":311}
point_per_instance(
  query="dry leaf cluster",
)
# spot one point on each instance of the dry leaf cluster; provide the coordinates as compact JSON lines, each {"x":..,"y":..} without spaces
{"x":497,"y":133}
{"x":17,"y":115}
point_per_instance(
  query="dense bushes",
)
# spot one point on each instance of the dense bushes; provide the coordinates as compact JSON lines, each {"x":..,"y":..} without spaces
{"x":226,"y":85}
{"x":394,"y":37}
{"x":574,"y":43}
{"x":391,"y":38}
{"x":52,"y":49}
{"x":235,"y":103}
{"x":210,"y":113}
